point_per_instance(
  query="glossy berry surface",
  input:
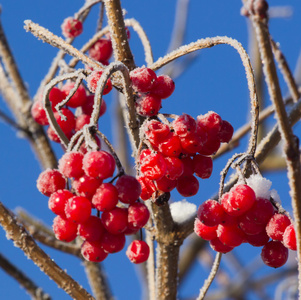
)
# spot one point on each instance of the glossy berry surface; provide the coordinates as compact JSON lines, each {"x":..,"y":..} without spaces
{"x":207,"y":233}
{"x":138,"y":252}
{"x":38,"y":113}
{"x":58,"y":200}
{"x":113,"y":243}
{"x":91,"y":230}
{"x":78,"y":98}
{"x":105,"y":197}
{"x":138,"y":215}
{"x":64,"y":229}
{"x":210,"y":213}
{"x":274,"y":254}
{"x":143,"y":79}
{"x":289,"y":238}
{"x":71,"y":164}
{"x":86,"y":186}
{"x":218,"y":246}
{"x":276,"y":226}
{"x":163,"y":87}
{"x":93,"y":251}
{"x":78,"y":209}
{"x":187,"y":186}
{"x":102,"y":50}
{"x":116,"y":220}
{"x":129,"y":189}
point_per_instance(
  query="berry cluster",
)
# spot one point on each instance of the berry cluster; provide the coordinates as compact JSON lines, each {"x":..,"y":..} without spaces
{"x":242,"y":217}
{"x":180,"y":150}
{"x":150,"y":90}
{"x":119,"y":211}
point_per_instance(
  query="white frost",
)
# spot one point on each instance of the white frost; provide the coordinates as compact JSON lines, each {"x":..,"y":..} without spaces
{"x":181,"y":211}
{"x":275,"y":196}
{"x":260,"y":185}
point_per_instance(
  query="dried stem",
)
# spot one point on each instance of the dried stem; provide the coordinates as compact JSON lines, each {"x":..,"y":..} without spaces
{"x":31,"y":288}
{"x":26,"y":243}
{"x":211,"y":276}
{"x":210,"y":42}
{"x":291,"y":143}
{"x":37,"y":137}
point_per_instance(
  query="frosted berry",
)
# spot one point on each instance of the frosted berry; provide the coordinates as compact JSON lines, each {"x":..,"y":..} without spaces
{"x":258,"y":240}
{"x":218,"y":246}
{"x":184,"y":125}
{"x":78,"y":98}
{"x":289,"y":238}
{"x":78,"y":209}
{"x":129,"y":189}
{"x":87,"y":107}
{"x":212,"y":122}
{"x":91,"y":230}
{"x":274,"y":254}
{"x":163,"y":87}
{"x":138,"y":252}
{"x":99,"y":164}
{"x":38,"y":113}
{"x":102,"y":50}
{"x":67,"y":125}
{"x":71,"y":164}
{"x":143,"y":79}
{"x":226,"y":132}
{"x":166,"y":185}
{"x":148,"y":105}
{"x":113,"y":243}
{"x":153,"y":166}
{"x":55,"y":96}
{"x":171,"y":146}
{"x":187,"y":186}
{"x":81,"y":121}
{"x":105,"y":197}
{"x":276,"y":226}
{"x":175,"y":167}
{"x":64,"y":229}
{"x":138,"y":215}
{"x":58,"y":200}
{"x":231,"y":236}
{"x":147,"y":187}
{"x":250,"y":227}
{"x":92,"y":81}
{"x":116,"y":220}
{"x":156,"y":132}
{"x":261,"y":212}
{"x":72,"y":27}
{"x":210,"y":213}
{"x":50,"y":181}
{"x":93,"y":251}
{"x":86,"y":186}
{"x":192,"y":143}
{"x":202,"y":166}
{"x":205,"y":232}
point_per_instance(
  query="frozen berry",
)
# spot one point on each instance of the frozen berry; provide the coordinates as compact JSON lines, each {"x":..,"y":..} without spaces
{"x":71,"y":164}
{"x":163,"y":87}
{"x":129,"y":189}
{"x":205,"y":232}
{"x":58,"y":200}
{"x":187,"y":186}
{"x":105,"y":197}
{"x":64,"y":229}
{"x":50,"y":181}
{"x":93,"y":251}
{"x":78,"y":98}
{"x":143,"y":79}
{"x":138,"y":215}
{"x":92,"y":81}
{"x":289,"y":238}
{"x":78,"y":209}
{"x":72,"y":27}
{"x":210,"y":213}
{"x":38,"y":113}
{"x":138,"y":252}
{"x":91,"y":230}
{"x":116,"y":220}
{"x":102,"y":50}
{"x":276,"y":226}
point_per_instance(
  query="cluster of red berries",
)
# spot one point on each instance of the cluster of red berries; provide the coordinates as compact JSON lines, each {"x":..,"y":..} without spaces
{"x":241,"y":217}
{"x":150,"y":90}
{"x":180,"y":150}
{"x":121,"y":211}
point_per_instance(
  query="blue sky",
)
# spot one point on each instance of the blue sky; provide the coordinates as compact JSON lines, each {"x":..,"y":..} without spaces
{"x":215,"y":81}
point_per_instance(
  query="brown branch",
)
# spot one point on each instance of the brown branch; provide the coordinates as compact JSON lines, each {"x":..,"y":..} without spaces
{"x":37,"y":137}
{"x":30,"y":287}
{"x":26,"y":243}
{"x":291,"y":143}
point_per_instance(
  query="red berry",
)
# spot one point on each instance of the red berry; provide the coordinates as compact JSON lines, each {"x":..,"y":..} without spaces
{"x":92,"y":81}
{"x":218,"y":246}
{"x":205,"y":232}
{"x":276,"y":226}
{"x":258,"y":240}
{"x":72,"y":27}
{"x":188,"y":165}
{"x":210,"y":146}
{"x":274,"y":254}
{"x":171,"y":146}
{"x":210,"y":213}
{"x":212,"y":123}
{"x":226,"y":132}
{"x":93,"y":251}
{"x":87,"y":107}
{"x":91,"y":230}
{"x":105,"y":197}
{"x":156,"y":132}
{"x":112,"y":243}
{"x":231,"y":236}
{"x":250,"y":227}
{"x":175,"y":167}
{"x":147,"y":187}
{"x":78,"y":209}
{"x":153,"y":166}
{"x":129,"y":189}
{"x":148,"y":105}
{"x":99,"y":164}
{"x":187,"y":186}
{"x":184,"y":125}
{"x":58,"y":200}
{"x":67,"y":125}
{"x":138,"y":252}
{"x":71,"y":164}
{"x":289,"y":238}
{"x":138,"y":215}
{"x":81,"y":121}
{"x":163,"y":87}
{"x":192,"y":143}
{"x":202,"y":166}
{"x":143,"y":79}
{"x":55,"y":96}
{"x":38,"y":113}
{"x":86,"y":186}
{"x":78,"y":98}
{"x":261,"y":211}
{"x":102,"y":50}
{"x":166,"y":185}
{"x":64,"y":229}
{"x":116,"y":220}
{"x":50,"y":181}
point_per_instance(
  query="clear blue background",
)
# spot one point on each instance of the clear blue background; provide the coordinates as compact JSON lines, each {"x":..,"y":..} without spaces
{"x":216,"y":81}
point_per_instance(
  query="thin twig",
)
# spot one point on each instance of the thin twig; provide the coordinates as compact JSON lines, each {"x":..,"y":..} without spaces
{"x":26,"y":243}
{"x":30,"y":287}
